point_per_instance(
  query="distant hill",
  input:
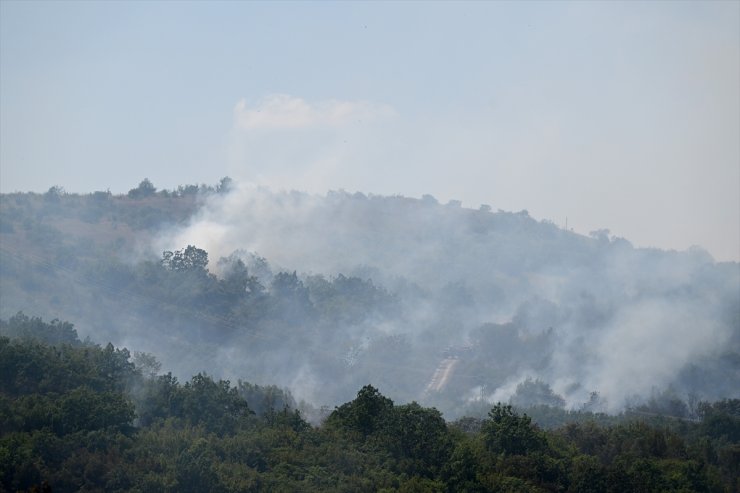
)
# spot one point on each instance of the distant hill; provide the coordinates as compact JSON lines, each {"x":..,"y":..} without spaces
{"x":324,"y":294}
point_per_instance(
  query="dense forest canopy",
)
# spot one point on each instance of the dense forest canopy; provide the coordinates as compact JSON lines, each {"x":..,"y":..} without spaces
{"x":453,"y":307}
{"x":221,"y":333}
{"x":79,"y":416}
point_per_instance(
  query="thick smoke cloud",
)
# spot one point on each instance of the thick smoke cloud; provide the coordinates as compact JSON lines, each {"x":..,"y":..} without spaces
{"x":584,"y":314}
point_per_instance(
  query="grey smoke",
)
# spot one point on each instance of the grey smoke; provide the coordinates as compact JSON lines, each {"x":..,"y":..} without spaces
{"x":624,"y":320}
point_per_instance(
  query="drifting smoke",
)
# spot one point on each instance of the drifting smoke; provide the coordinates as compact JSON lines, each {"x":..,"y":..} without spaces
{"x":525,"y":299}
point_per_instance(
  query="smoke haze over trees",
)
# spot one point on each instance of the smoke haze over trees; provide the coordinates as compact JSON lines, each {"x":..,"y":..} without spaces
{"x":79,"y":416}
{"x":324,"y":294}
{"x":461,"y":246}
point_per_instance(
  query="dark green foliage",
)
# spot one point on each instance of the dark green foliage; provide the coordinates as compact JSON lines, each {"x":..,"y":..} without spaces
{"x":264,"y":399}
{"x":159,"y":398}
{"x":462,"y":469}
{"x":667,"y":403}
{"x":290,"y":298}
{"x":65,"y":410}
{"x":27,"y":367}
{"x":508,"y":433}
{"x":368,"y":413}
{"x":288,"y":419}
{"x":215,"y":405}
{"x":191,"y":259}
{"x":347,"y":299}
{"x":85,"y":418}
{"x":721,"y":419}
{"x":535,"y":393}
{"x":587,"y":475}
{"x":419,"y":439}
{"x":82,"y":409}
{"x":415,"y":436}
{"x":145,"y":189}
{"x":237,"y":284}
{"x":54,"y":333}
{"x":194,"y":469}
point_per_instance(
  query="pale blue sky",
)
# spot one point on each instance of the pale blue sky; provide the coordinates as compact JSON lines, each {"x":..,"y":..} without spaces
{"x":618,"y":115}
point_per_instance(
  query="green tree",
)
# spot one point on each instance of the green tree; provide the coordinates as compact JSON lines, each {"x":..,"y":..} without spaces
{"x":145,"y":189}
{"x":84,"y":409}
{"x":216,"y":405}
{"x":195,"y":469}
{"x":191,"y":259}
{"x":508,"y":433}
{"x":419,"y":438}
{"x":56,"y":332}
{"x":290,"y":298}
{"x":461,"y":470}
{"x":369,"y":412}
{"x":587,"y":475}
{"x":531,"y":393}
{"x":159,"y":398}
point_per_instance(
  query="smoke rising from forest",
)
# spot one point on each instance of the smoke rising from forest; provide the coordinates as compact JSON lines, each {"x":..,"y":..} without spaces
{"x":582,"y":314}
{"x":323,"y":294}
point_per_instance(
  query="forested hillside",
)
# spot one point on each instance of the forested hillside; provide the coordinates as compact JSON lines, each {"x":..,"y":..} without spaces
{"x":452,"y":307}
{"x":76,"y":416}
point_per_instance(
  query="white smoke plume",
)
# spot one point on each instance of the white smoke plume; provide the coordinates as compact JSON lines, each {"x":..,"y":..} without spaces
{"x":623,"y":320}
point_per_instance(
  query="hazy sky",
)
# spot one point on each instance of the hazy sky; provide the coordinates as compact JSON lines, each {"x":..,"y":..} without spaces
{"x":617,"y":115}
